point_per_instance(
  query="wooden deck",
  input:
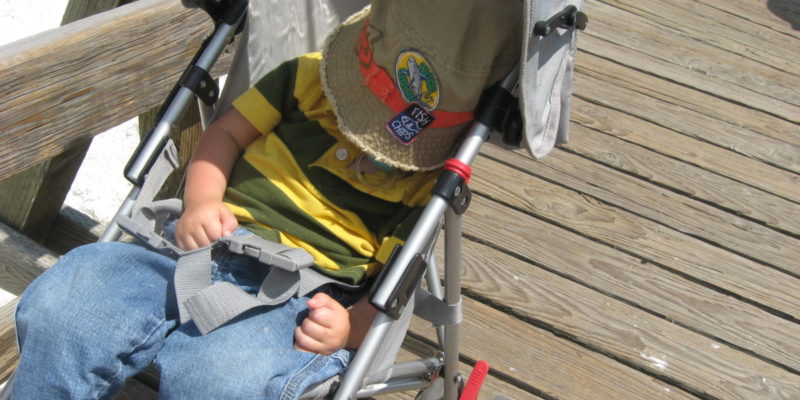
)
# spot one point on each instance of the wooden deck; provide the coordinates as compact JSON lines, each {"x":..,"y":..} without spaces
{"x":657,"y":255}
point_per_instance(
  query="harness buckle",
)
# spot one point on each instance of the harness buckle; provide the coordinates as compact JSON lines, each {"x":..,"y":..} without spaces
{"x":270,"y":253}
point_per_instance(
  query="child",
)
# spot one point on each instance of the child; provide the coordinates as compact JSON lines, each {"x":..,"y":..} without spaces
{"x":335,"y":155}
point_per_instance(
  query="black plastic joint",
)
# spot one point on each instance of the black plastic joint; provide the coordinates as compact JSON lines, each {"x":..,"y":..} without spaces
{"x":493,"y":106}
{"x":569,"y":17}
{"x":225,"y":11}
{"x":236,"y":10}
{"x":400,"y":294}
{"x":201,"y":83}
{"x":454,"y":189}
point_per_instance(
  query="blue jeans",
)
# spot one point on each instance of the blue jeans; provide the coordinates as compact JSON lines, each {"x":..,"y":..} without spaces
{"x":105,"y":311}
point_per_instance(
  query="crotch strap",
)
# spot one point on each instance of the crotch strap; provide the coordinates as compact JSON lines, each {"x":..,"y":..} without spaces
{"x":212,"y":305}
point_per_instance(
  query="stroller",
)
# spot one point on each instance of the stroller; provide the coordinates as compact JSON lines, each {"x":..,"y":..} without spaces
{"x":529,"y":108}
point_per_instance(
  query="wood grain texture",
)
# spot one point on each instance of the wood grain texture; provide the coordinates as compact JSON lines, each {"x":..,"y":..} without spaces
{"x":668,"y":208}
{"x":30,"y":201}
{"x":753,"y":83}
{"x":693,"y":19}
{"x":721,"y":191}
{"x":728,"y":125}
{"x":414,"y":349}
{"x":668,"y":128}
{"x":771,"y":16}
{"x":555,"y":366}
{"x":608,"y":325}
{"x":71,"y":83}
{"x":626,"y":276}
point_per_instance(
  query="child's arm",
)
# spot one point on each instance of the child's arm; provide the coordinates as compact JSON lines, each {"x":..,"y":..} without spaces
{"x":330,"y":327}
{"x":205,"y":218}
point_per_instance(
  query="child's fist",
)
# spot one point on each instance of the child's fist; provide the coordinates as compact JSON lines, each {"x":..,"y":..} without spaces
{"x":326,"y":328}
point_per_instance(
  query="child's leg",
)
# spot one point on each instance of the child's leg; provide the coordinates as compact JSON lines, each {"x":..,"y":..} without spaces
{"x":92,"y":320}
{"x":251,"y":357}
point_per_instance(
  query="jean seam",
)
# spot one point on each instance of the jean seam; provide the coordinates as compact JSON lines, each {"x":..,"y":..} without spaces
{"x":129,"y":352}
{"x":290,"y":390}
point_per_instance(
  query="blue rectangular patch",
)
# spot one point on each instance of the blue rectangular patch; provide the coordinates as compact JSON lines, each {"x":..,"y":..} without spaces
{"x":409,"y":123}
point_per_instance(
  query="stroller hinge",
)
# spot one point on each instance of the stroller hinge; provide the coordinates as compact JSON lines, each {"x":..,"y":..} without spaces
{"x":499,"y":109}
{"x":403,"y":292}
{"x":201,"y":83}
{"x":569,"y":17}
{"x":452,"y":185}
{"x":225,"y":11}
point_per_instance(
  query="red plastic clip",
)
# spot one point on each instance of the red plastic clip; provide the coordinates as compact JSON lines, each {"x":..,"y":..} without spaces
{"x":475,"y":381}
{"x":460,"y":168}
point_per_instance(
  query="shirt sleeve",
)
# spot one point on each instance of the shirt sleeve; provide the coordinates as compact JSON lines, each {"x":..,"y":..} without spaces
{"x":265,"y":103}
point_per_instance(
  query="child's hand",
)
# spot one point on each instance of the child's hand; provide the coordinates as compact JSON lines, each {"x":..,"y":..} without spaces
{"x":204,"y":223}
{"x":326,"y":328}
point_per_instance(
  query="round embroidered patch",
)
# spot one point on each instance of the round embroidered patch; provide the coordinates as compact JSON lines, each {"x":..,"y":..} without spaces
{"x":416,"y":79}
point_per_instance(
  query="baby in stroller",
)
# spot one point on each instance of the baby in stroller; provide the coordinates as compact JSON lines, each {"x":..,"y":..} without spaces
{"x":335,"y":153}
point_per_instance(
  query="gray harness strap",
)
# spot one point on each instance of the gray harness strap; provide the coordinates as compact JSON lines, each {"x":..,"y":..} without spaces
{"x":212,"y":305}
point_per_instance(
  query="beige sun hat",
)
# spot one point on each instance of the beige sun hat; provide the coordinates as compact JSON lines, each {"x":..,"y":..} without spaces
{"x":403,"y":76}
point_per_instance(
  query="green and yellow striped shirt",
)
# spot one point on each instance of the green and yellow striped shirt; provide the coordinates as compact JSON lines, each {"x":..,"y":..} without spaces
{"x":295,"y":184}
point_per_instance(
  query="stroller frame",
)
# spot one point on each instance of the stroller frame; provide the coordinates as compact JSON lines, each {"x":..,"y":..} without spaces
{"x":403,"y":273}
{"x":400,"y":278}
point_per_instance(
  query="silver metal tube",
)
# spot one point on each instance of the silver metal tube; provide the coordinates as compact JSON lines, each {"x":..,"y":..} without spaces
{"x":417,"y":241}
{"x":435,"y":287}
{"x":354,"y":376}
{"x":183,"y":98}
{"x":394,"y":386}
{"x":112,"y":231}
{"x":426,"y":367}
{"x":160,"y":133}
{"x":452,"y":295}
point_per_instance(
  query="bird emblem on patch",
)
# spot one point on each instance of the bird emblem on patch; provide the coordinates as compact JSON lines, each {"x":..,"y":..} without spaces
{"x":420,"y":89}
{"x":416,"y":80}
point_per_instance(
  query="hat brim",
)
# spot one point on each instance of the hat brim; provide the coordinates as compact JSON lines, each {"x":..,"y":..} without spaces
{"x":362,"y":117}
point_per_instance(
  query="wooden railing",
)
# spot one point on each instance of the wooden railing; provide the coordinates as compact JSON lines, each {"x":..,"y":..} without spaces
{"x":57,"y":90}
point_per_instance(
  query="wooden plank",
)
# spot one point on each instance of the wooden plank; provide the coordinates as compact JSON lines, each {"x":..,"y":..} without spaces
{"x":718,"y":135}
{"x":9,"y":355}
{"x":556,"y":367}
{"x":688,"y":75}
{"x":29,"y":202}
{"x":71,"y":229}
{"x":775,"y":15}
{"x":109,"y":68}
{"x":691,"y":217}
{"x":717,"y":190}
{"x":414,"y":349}
{"x":642,"y":36}
{"x":643,"y":122}
{"x":663,"y":289}
{"x":21,"y":260}
{"x":743,"y":122}
{"x":692,"y":20}
{"x":622,"y":331}
{"x":78,"y":9}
